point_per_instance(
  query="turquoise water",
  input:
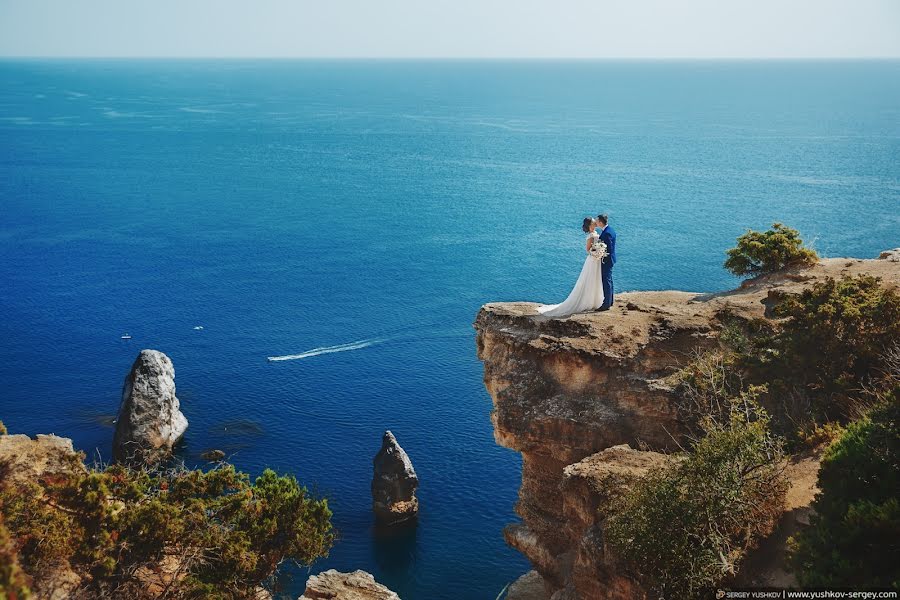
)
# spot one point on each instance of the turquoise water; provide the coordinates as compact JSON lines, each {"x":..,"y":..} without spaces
{"x":287,"y":206}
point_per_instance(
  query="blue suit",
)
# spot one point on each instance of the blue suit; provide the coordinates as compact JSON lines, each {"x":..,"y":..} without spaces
{"x":608,"y":237}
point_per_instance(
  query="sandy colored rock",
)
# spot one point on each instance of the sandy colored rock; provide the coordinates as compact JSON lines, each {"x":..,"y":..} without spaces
{"x":150,"y":421}
{"x":565,"y":390}
{"x":24,"y":460}
{"x":27,"y":459}
{"x":529,"y":586}
{"x":334,"y":585}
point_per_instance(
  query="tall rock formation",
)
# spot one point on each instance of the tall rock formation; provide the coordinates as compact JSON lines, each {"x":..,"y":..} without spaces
{"x":576,"y":396}
{"x":150,"y":421}
{"x":394,"y":483}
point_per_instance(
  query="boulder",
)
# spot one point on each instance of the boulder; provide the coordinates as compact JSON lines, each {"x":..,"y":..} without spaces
{"x":394,"y":483}
{"x":335,"y":585}
{"x":529,"y":586}
{"x":149,"y":421}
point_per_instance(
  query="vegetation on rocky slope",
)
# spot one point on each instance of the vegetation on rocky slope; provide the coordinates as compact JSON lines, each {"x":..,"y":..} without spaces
{"x":686,"y":527}
{"x":830,"y":354}
{"x":216,"y":534}
{"x":854,"y":536}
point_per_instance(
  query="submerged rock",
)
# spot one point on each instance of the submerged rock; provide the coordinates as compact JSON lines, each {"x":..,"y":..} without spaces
{"x":213,"y":455}
{"x":150,"y":421}
{"x":335,"y":585}
{"x":394,"y":483}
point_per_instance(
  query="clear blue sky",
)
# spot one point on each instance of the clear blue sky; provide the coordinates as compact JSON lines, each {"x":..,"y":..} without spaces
{"x":452,"y":28}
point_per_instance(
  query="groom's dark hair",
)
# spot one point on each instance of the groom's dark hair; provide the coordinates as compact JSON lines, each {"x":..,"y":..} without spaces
{"x":603,"y":218}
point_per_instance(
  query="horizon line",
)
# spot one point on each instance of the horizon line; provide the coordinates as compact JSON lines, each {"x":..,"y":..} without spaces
{"x":451,"y":58}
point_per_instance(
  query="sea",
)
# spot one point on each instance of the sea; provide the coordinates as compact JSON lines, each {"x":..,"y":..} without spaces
{"x":352,"y":217}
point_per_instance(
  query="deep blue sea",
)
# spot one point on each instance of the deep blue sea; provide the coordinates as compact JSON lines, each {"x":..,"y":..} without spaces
{"x":286,"y":206}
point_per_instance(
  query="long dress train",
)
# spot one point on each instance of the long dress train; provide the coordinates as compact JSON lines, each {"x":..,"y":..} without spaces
{"x":586,"y":295}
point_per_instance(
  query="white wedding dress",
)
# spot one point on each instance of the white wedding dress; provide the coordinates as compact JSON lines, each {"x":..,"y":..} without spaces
{"x":587,"y":293}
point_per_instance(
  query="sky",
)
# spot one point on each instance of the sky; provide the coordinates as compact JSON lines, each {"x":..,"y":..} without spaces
{"x":452,"y":28}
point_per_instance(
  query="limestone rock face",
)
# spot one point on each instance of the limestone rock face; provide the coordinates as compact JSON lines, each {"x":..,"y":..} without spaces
{"x":575,"y":396}
{"x":394,"y":483}
{"x":335,"y":585}
{"x":150,"y":421}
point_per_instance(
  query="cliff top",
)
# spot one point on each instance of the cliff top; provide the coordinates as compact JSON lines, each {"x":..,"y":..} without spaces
{"x":639,"y":317}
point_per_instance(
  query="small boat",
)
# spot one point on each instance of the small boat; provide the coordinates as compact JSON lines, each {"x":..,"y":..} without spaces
{"x":126,"y":336}
{"x":198,"y":328}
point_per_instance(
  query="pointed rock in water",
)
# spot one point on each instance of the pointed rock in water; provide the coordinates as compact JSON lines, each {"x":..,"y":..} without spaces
{"x":394,"y":483}
{"x":150,"y":421}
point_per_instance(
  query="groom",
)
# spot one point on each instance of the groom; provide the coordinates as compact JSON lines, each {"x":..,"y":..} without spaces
{"x":608,"y":237}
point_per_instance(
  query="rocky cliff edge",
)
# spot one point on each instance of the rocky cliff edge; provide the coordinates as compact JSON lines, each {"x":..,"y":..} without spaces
{"x":578,"y":396}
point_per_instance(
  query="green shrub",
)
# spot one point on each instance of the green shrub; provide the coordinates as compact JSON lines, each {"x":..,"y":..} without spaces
{"x":836,"y":341}
{"x":853,"y":539}
{"x":685,"y":528}
{"x":760,"y":252}
{"x":223,"y":532}
{"x":13,"y":581}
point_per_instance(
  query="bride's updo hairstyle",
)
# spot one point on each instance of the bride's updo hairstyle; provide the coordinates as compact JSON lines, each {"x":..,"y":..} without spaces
{"x":586,"y":225}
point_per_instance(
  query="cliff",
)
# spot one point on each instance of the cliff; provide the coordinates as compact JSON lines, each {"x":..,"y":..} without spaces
{"x":578,"y":397}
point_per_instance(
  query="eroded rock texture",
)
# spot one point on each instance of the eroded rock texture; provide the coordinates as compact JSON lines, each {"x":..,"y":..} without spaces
{"x":394,"y":483}
{"x":150,"y":421}
{"x":334,"y":585}
{"x":577,"y":397}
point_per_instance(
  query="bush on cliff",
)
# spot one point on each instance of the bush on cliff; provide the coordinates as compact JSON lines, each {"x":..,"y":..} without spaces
{"x":836,"y":341}
{"x":684,"y":528}
{"x":854,"y":536}
{"x":219,"y":534}
{"x":761,"y":252}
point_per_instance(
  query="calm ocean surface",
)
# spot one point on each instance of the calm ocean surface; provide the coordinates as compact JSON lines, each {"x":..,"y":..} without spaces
{"x":286,"y":206}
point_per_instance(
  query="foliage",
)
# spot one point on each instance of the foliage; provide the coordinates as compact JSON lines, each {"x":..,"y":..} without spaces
{"x":761,"y":252}
{"x":854,"y":536}
{"x":821,"y":435}
{"x":686,"y":527}
{"x":13,"y":581}
{"x":2,"y":428}
{"x":219,"y":531}
{"x":836,"y":341}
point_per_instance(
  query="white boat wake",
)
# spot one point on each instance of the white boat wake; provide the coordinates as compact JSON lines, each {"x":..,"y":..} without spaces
{"x":357,"y":345}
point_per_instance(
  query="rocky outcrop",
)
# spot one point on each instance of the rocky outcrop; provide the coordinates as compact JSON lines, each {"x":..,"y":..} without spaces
{"x":150,"y":421}
{"x":394,"y":483}
{"x":570,"y":394}
{"x":530,"y":586}
{"x":28,"y":460}
{"x":358,"y":585}
{"x":891,"y":255}
{"x":25,"y":461}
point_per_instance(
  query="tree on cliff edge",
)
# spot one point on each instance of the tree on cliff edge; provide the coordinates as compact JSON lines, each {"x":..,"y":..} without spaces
{"x":761,"y":252}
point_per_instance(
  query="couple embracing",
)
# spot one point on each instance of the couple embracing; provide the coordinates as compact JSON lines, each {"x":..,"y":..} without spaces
{"x":594,"y":288}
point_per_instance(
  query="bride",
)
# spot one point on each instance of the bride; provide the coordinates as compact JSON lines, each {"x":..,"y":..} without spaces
{"x":588,"y":291}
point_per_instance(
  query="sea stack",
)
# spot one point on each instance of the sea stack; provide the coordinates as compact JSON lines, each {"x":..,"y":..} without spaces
{"x":149,"y":421}
{"x":393,"y":484}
